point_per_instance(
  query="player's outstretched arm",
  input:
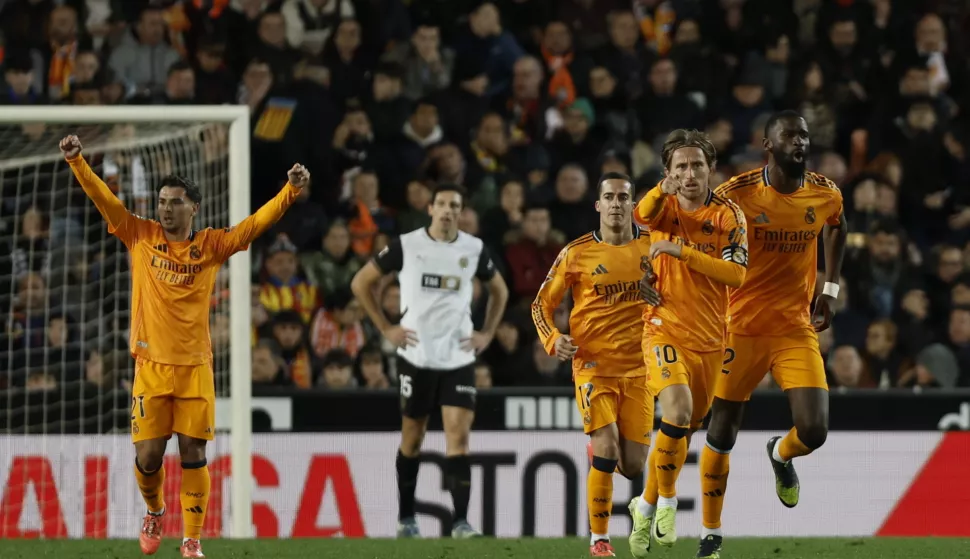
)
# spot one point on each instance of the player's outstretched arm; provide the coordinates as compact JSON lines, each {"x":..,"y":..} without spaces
{"x":544,"y":309}
{"x":121,"y":222}
{"x":651,"y":207}
{"x":248,"y":230}
{"x":391,"y":259}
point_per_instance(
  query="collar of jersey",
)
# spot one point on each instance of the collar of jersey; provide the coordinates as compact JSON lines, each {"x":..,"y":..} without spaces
{"x":764,"y":177}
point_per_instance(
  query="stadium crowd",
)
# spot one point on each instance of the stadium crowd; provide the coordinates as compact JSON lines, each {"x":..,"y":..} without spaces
{"x":526,"y":103}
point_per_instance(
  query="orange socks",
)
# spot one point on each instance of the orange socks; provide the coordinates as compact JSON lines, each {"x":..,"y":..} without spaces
{"x":150,"y":485}
{"x":791,"y":447}
{"x":599,"y":496}
{"x":650,"y":493}
{"x":195,"y":497}
{"x":671,"y":451}
{"x":715,"y":467}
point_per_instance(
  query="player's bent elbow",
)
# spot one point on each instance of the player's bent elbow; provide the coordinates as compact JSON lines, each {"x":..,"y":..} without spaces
{"x":738,"y":278}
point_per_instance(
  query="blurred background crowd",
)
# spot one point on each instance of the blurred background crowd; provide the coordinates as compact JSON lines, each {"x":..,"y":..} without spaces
{"x":526,"y":103}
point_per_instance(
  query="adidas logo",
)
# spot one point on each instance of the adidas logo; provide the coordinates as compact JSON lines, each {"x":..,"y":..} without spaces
{"x":196,"y":509}
{"x":601,"y":269}
{"x":762,"y":218}
{"x":161,"y":248}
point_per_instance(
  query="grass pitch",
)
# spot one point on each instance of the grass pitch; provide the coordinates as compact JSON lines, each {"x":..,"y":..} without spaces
{"x":571,"y":548}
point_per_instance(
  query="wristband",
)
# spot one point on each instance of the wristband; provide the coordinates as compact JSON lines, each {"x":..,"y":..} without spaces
{"x":831,"y":289}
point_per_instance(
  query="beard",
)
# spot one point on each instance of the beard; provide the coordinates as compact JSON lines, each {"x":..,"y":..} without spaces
{"x":788,"y":164}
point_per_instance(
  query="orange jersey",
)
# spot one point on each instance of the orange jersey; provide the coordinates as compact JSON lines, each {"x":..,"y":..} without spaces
{"x":172,"y":281}
{"x":604,"y":281}
{"x":783,"y":238}
{"x":694,"y":287}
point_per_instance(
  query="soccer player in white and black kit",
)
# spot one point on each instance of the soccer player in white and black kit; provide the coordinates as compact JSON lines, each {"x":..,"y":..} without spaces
{"x":436,"y":342}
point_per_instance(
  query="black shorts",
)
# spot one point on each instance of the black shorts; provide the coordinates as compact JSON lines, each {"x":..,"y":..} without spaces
{"x":423,"y":390}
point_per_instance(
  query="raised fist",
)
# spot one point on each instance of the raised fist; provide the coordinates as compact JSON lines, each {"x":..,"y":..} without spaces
{"x":298,"y":175}
{"x":70,"y":146}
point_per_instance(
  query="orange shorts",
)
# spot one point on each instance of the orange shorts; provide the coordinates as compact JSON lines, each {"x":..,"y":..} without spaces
{"x":625,"y":401}
{"x":793,"y":360}
{"x":669,"y":364}
{"x":170,"y":399}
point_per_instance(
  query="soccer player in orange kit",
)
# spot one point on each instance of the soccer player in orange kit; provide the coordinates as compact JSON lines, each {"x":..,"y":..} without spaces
{"x":772,"y":323}
{"x":173,"y":272}
{"x":601,"y":271}
{"x":699,"y":248}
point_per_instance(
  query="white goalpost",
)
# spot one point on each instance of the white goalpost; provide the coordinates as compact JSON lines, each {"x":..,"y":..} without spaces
{"x":55,"y":403}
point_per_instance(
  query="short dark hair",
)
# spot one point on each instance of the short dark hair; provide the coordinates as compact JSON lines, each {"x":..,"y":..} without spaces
{"x":886,"y":227}
{"x":176,"y":181}
{"x":775,"y":117}
{"x":613,"y":175}
{"x":449,"y":187}
{"x":684,"y":138}
{"x":179,"y":66}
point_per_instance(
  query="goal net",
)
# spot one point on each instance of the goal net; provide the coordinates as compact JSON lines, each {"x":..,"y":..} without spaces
{"x":66,"y":458}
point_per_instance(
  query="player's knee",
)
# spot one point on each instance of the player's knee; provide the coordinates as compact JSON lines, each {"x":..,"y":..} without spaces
{"x":812,"y":434}
{"x":149,"y":460}
{"x":678,"y":416}
{"x":606,"y":447}
{"x":631,"y":467}
{"x":457,"y":443}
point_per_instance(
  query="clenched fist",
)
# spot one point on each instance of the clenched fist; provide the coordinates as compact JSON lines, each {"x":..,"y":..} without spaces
{"x":298,"y":176}
{"x":70,"y":146}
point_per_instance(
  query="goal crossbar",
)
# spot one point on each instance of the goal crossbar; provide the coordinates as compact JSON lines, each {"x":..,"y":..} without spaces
{"x":237,"y":117}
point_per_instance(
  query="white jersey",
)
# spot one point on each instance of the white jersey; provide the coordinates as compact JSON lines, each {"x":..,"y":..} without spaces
{"x":436,"y":280}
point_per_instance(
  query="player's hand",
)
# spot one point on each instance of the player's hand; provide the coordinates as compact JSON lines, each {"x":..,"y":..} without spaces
{"x":298,"y":176}
{"x":565,"y":350}
{"x":669,"y":185}
{"x":648,"y":289}
{"x":400,"y":336}
{"x":477,"y":342}
{"x":823,"y":312}
{"x":665,"y":247}
{"x":70,"y":146}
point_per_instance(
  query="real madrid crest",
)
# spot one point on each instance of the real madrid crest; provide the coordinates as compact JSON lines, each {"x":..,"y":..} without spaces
{"x":810,"y":215}
{"x":586,"y":419}
{"x":463,"y":262}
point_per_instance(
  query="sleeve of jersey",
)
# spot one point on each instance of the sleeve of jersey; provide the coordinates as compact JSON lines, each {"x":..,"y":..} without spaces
{"x":835,"y":218}
{"x":391,"y":259}
{"x":651,"y":208}
{"x":550,"y":296}
{"x":486,"y":267}
{"x":121,"y":223}
{"x":723,"y":271}
{"x":238,"y":238}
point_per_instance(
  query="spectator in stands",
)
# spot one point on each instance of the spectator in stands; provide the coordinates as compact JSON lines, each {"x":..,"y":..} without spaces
{"x":416,"y":215}
{"x":877,"y":276}
{"x":338,"y":325}
{"x":883,"y":359}
{"x":40,"y":381}
{"x":214,"y":81}
{"x":625,"y":55}
{"x":304,"y":224}
{"x":510,"y":355}
{"x":290,"y":333}
{"x":366,"y":214}
{"x":572,"y":209}
{"x":27,"y":329}
{"x":309,"y":23}
{"x":507,"y":216}
{"x":427,"y":64}
{"x":487,"y":157}
{"x":143,"y":58}
{"x":846,"y":367}
{"x":531,"y":256}
{"x":663,"y":106}
{"x":468,"y":221}
{"x":268,"y":367}
{"x":179,"y":85}
{"x":332,"y":268}
{"x":487,"y":45}
{"x":567,"y":69}
{"x":284,"y":286}
{"x":337,"y":372}
{"x":346,"y":62}
{"x":525,"y":109}
{"x":272,"y":47}
{"x":546,"y":370}
{"x":579,"y":140}
{"x":483,"y":376}
{"x":60,"y":56}
{"x":87,"y":67}
{"x":613,"y":112}
{"x":18,"y":76}
{"x":387,"y":107}
{"x":370,"y":369}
